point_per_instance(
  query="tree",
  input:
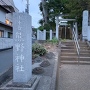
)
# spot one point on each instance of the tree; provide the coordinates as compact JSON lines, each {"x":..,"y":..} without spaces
{"x":49,"y":9}
{"x":44,"y":11}
{"x":73,"y":8}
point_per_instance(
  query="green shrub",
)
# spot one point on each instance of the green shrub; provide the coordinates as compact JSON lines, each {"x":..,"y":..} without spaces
{"x":63,"y":40}
{"x":38,"y":49}
{"x":34,"y":56}
{"x":53,"y":41}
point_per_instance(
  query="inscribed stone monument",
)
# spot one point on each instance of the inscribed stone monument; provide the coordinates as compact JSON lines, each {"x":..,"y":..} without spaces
{"x":22,"y":48}
{"x":88,"y":33}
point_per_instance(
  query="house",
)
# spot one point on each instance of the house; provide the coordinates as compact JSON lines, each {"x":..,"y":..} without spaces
{"x":7,"y":8}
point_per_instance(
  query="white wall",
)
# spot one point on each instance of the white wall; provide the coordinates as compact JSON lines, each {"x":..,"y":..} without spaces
{"x":41,"y":35}
{"x":6,"y":43}
{"x":2,"y":15}
{"x":9,"y":16}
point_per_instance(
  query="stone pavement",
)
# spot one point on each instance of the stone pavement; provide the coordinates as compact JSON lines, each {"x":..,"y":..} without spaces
{"x":74,"y":77}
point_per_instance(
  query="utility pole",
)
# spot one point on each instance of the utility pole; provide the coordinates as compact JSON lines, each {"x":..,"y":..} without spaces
{"x":27,"y":7}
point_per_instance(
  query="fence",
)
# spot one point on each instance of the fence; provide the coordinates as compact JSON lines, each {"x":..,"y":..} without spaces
{"x":41,"y":35}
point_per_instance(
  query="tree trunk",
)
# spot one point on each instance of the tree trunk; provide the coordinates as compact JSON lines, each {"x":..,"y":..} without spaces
{"x":45,"y":14}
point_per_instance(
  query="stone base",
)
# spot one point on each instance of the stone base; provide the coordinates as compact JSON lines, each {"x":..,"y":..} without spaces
{"x":31,"y":85}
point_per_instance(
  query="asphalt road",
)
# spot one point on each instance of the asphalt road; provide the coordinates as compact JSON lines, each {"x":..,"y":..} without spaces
{"x":6,"y":59}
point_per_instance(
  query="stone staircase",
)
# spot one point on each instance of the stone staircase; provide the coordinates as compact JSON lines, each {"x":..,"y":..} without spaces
{"x":69,"y":54}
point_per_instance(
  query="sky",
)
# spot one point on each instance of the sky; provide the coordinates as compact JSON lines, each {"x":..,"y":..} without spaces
{"x":34,"y":10}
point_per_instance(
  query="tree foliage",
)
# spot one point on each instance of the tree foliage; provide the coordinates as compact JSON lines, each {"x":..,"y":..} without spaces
{"x":73,"y":8}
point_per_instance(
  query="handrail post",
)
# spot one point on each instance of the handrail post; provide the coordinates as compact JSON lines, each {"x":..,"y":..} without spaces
{"x":76,"y":42}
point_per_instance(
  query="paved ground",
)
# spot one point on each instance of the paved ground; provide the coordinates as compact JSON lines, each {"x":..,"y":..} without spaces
{"x":74,"y":77}
{"x":6,"y":59}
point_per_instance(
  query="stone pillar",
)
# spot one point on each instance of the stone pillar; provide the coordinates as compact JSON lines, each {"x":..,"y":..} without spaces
{"x":37,"y":34}
{"x":85,"y":25}
{"x":22,"y":48}
{"x":72,"y":28}
{"x":88,"y":33}
{"x":50,"y":34}
{"x":57,"y":31}
{"x":44,"y":35}
{"x":76,"y":29}
{"x":65,"y":32}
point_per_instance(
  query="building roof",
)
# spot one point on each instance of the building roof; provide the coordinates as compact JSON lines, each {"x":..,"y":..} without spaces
{"x":8,"y":11}
{"x":9,"y":4}
{"x":10,"y":8}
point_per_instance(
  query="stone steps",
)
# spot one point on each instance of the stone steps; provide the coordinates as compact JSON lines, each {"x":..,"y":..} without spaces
{"x":73,"y":58}
{"x":69,"y":54}
{"x":68,"y":50}
{"x":69,"y":47}
{"x":74,"y":54}
{"x":73,"y":50}
{"x":84,"y":51}
{"x":84,"y":48}
{"x":76,"y":62}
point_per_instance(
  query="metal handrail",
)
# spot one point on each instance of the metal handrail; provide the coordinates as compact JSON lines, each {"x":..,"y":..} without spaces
{"x":76,"y":43}
{"x":88,"y":42}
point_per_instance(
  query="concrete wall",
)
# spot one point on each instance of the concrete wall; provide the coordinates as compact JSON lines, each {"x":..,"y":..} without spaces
{"x":9,"y":16}
{"x":41,"y":35}
{"x":2,"y":15}
{"x":6,"y":43}
{"x":6,"y":30}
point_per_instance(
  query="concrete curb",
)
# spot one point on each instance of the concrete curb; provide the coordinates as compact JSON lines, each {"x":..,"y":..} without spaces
{"x":35,"y":84}
{"x":53,"y":80}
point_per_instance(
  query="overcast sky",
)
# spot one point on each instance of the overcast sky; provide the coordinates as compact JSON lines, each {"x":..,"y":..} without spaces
{"x":34,"y":10}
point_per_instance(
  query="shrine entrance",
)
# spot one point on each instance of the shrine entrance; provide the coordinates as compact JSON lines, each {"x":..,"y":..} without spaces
{"x":63,"y":29}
